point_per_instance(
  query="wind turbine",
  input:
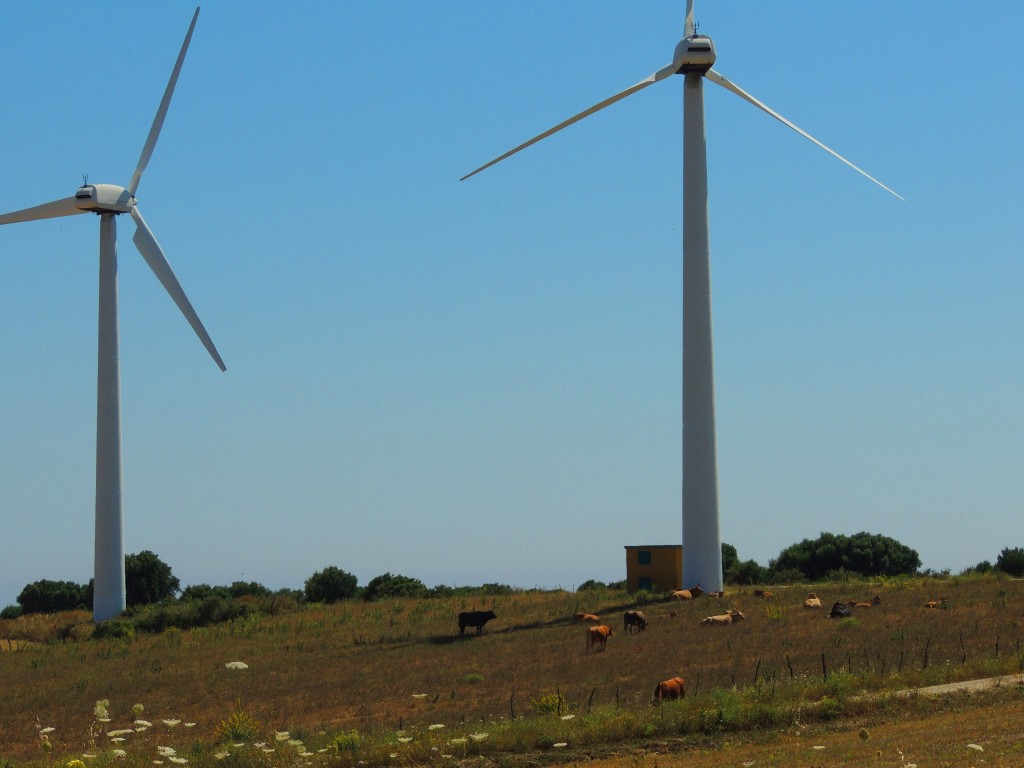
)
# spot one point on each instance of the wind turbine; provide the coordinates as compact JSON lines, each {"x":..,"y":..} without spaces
{"x":109,"y":201}
{"x":693,"y":58}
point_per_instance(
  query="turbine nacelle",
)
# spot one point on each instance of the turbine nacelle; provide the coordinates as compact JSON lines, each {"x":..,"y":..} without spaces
{"x":104,"y":198}
{"x":695,"y":53}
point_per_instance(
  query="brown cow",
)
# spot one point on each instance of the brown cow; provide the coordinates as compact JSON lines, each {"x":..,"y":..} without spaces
{"x":688,"y":594}
{"x":634,"y":619}
{"x":940,"y":603}
{"x":812,"y":601}
{"x":586,"y":617}
{"x":855,"y":604}
{"x":764,"y":594}
{"x":597,"y":635}
{"x":669,"y":689}
{"x":723,"y":619}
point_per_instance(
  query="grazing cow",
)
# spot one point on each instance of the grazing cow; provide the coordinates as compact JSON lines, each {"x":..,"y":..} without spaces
{"x":688,"y":594}
{"x":812,"y":601}
{"x":474,"y":619}
{"x":586,"y":617}
{"x":940,"y":603}
{"x":764,"y":594}
{"x":597,"y":635}
{"x":634,"y":619}
{"x":669,"y":689}
{"x":840,"y":611}
{"x":723,"y":619}
{"x":720,"y":593}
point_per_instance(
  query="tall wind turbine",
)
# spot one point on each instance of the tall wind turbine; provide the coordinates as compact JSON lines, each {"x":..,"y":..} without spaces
{"x":109,"y":201}
{"x":694,"y":56}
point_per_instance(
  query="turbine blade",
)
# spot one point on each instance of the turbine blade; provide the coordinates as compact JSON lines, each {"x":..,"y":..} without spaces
{"x":65,"y":207}
{"x":161,"y":113}
{"x":661,"y":74}
{"x":154,"y":256}
{"x":690,"y":27}
{"x":719,"y":79}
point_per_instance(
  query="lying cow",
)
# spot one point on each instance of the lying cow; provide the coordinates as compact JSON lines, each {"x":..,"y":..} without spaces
{"x":812,"y":601}
{"x":764,"y":594}
{"x":669,"y":689}
{"x":586,"y":617}
{"x":840,"y":611}
{"x":723,"y":619}
{"x":474,"y":619}
{"x":598,"y":635}
{"x":688,"y":594}
{"x":634,"y":619}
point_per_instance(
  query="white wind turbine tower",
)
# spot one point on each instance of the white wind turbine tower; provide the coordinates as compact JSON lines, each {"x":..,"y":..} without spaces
{"x":693,"y":58}
{"x":108,"y":201}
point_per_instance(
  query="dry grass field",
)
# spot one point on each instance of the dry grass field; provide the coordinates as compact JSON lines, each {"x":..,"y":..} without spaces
{"x":366,"y":681}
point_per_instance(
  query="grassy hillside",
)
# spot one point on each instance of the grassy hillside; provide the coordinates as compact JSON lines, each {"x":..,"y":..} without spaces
{"x":355,"y":678}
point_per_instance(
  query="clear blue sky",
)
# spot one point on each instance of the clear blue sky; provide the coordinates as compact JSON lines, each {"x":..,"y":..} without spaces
{"x":480,"y":381}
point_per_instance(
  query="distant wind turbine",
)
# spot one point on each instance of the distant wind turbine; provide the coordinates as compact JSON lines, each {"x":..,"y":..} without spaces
{"x":693,"y":58}
{"x":109,"y":201}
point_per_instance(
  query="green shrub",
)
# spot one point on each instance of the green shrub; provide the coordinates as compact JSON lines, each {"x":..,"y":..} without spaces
{"x":115,"y":629}
{"x":347,"y":741}
{"x":239,"y":726}
{"x":473,"y":677}
{"x":550,"y":704}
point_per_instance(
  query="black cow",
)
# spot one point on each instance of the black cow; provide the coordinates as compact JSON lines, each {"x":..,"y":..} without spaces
{"x":634,"y":619}
{"x":474,"y":619}
{"x":840,"y":611}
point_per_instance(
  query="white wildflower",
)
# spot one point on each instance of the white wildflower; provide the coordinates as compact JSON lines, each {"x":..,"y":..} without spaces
{"x":818,"y":746}
{"x":190,"y":725}
{"x":158,"y":762}
{"x":976,"y":747}
{"x":165,"y":751}
{"x":393,"y":755}
{"x":568,"y":717}
{"x":221,"y":755}
{"x":457,"y":741}
{"x":281,"y":735}
{"x":560,"y":744}
{"x":236,"y":665}
{"x":143,"y":723}
{"x":259,"y":744}
{"x":449,"y":757}
{"x":118,"y":753}
{"x":435,"y":726}
{"x":120,"y":732}
{"x":420,"y":695}
{"x":48,"y":729}
{"x":238,"y":746}
{"x":171,"y":722}
{"x":178,"y":760}
{"x":295,"y":742}
{"x":404,"y":739}
{"x":269,"y":749}
{"x":478,"y":736}
{"x":119,"y":739}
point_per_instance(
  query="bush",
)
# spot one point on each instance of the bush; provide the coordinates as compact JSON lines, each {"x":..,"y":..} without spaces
{"x":591,"y":584}
{"x":115,"y":629}
{"x":203,"y":591}
{"x":866,"y":554}
{"x":387,"y":585}
{"x":47,"y":596}
{"x":1011,"y":562}
{"x":331,"y":585}
{"x":11,"y":612}
{"x":746,"y":572}
{"x":244,"y":588}
{"x":148,"y":579}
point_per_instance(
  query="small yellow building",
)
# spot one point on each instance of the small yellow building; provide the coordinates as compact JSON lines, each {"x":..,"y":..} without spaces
{"x":655,"y":568}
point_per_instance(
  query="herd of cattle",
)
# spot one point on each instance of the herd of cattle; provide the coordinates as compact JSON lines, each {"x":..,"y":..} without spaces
{"x":636,"y":621}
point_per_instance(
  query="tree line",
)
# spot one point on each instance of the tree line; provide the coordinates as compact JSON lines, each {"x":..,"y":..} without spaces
{"x":830,"y":557}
